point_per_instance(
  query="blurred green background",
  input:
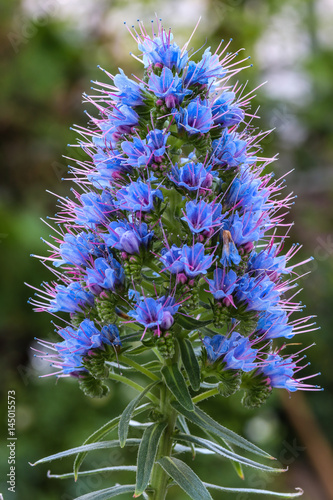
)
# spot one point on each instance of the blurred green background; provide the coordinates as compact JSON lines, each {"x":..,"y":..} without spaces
{"x":49,"y":53}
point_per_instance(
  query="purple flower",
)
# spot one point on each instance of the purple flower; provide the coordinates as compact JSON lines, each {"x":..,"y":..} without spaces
{"x":71,"y":299}
{"x":137,"y":152}
{"x":109,"y":169}
{"x":195,"y":119}
{"x":162,"y":51}
{"x":274,"y":325}
{"x":105,"y":274}
{"x":192,"y":176}
{"x":157,"y":141}
{"x":156,"y":314}
{"x":168,"y":87}
{"x":95,"y":208}
{"x":128,"y":237}
{"x":138,"y":197}
{"x":195,"y":261}
{"x":224,"y":113}
{"x":259,"y":293}
{"x":129,"y":91}
{"x":229,"y":150}
{"x":205,"y":71}
{"x":203,"y":216}
{"x":236,"y":351}
{"x":223,"y":284}
{"x":76,"y":249}
{"x":171,"y":258}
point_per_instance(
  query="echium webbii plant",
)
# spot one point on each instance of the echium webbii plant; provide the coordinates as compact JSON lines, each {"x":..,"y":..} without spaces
{"x":168,"y":263}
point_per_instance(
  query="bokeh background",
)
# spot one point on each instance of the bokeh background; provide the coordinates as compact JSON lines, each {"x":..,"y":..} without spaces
{"x":49,"y":53}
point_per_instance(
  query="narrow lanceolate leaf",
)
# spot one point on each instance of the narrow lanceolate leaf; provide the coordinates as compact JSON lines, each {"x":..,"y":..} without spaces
{"x":103,"y":470}
{"x":190,"y":363}
{"x":236,"y":465}
{"x":299,"y":492}
{"x":114,"y":491}
{"x":185,"y":478}
{"x":177,"y":385}
{"x":146,"y":456}
{"x":205,"y":422}
{"x":191,"y":323}
{"x":127,"y":414}
{"x":100,"y":433}
{"x":182,"y":424}
{"x":224,"y":452}
{"x":85,"y":448}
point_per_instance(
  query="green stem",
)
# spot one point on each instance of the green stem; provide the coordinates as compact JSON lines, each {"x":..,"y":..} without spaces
{"x":205,"y":395}
{"x":139,"y":368}
{"x":160,"y":479}
{"x":134,"y":385}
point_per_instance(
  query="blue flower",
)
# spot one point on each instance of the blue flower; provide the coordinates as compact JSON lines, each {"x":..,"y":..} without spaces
{"x":245,"y":228}
{"x":223,"y":284}
{"x":280,"y":372}
{"x":76,"y":249}
{"x":124,"y":119}
{"x":259,"y":293}
{"x":230,"y":253}
{"x":202,"y":216}
{"x":105,"y":274}
{"x":192,"y":176}
{"x":245,"y":192}
{"x":195,"y":119}
{"x":163,"y":52}
{"x":171,"y":258}
{"x":268,"y":262}
{"x":128,"y":237}
{"x":168,"y":87}
{"x":137,"y":152}
{"x":95,"y":208}
{"x":71,"y":299}
{"x":156,"y":314}
{"x":205,"y":71}
{"x":129,"y":91}
{"x":109,"y":169}
{"x":157,"y":142}
{"x":138,"y":197}
{"x":229,"y":150}
{"x":274,"y":325}
{"x":236,"y":351}
{"x":195,"y":261}
{"x":224,"y":113}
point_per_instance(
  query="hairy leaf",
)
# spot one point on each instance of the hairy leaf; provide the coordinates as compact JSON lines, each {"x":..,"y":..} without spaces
{"x":190,"y":324}
{"x":114,"y":491}
{"x":127,"y":414}
{"x":185,"y":478}
{"x":299,"y":492}
{"x":190,"y":362}
{"x":116,"y":468}
{"x":100,"y":433}
{"x":205,"y":422}
{"x":177,"y":385}
{"x":147,"y":454}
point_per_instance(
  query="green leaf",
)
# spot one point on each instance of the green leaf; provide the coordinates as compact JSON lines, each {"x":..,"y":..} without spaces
{"x":236,"y":465}
{"x":177,"y":385}
{"x":114,"y":491}
{"x":182,"y":424}
{"x":224,"y":452}
{"x":205,"y":422}
{"x":185,"y":478}
{"x":100,"y":433}
{"x":191,"y":323}
{"x":84,"y":448}
{"x":299,"y":491}
{"x":127,"y":414}
{"x":190,"y":362}
{"x":146,"y":455}
{"x":116,"y":468}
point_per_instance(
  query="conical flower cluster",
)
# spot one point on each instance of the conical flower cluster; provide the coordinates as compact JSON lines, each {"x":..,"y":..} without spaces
{"x":175,"y":229}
